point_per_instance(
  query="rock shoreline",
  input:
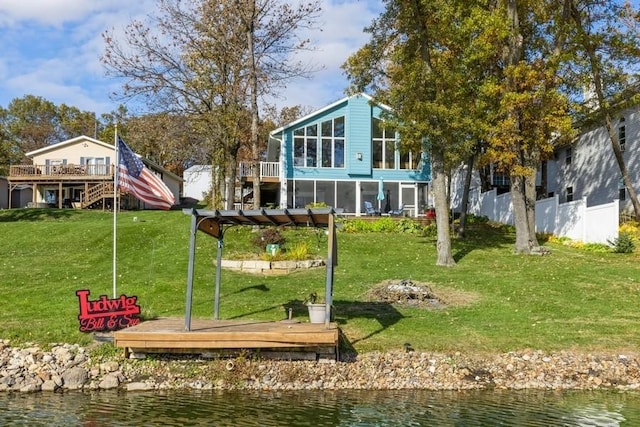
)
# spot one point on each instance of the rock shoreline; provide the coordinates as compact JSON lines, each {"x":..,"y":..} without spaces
{"x":66,"y":367}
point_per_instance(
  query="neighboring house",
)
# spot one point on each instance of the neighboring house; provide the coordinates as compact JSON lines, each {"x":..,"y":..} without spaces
{"x":197,"y":182}
{"x":76,"y":173}
{"x":498,"y":181}
{"x":342,"y":155}
{"x":582,"y":193}
{"x":587,"y":167}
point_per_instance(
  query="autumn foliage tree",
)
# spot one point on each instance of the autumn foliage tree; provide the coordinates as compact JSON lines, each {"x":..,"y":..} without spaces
{"x":460,"y":72}
{"x":32,"y":122}
{"x":212,"y":62}
{"x":426,"y":60}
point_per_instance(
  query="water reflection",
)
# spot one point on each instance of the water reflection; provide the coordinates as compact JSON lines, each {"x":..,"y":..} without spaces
{"x":340,"y":408}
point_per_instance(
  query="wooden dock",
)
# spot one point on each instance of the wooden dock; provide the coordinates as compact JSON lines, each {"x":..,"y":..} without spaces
{"x":228,"y":337}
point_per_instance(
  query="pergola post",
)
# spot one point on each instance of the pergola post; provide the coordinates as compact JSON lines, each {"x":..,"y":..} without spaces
{"x":190,"y":270}
{"x":331,"y":261}
{"x":216,"y":301}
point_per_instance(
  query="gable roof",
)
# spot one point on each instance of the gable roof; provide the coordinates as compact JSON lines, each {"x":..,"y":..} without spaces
{"x":324,"y":109}
{"x":156,"y":166}
{"x":71,"y":141}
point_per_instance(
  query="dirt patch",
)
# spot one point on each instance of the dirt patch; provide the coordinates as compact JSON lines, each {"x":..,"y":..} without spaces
{"x":408,"y":293}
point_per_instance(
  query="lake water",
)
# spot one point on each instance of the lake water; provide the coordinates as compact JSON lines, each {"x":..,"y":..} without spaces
{"x":322,"y":408}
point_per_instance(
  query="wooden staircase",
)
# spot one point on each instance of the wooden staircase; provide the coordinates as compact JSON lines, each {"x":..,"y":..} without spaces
{"x":97,"y":195}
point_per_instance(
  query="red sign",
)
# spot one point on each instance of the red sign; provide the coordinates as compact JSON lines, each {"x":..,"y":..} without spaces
{"x":106,"y":314}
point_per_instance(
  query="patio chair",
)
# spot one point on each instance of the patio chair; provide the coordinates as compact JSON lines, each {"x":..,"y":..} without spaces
{"x":397,"y":212}
{"x":369,"y":209}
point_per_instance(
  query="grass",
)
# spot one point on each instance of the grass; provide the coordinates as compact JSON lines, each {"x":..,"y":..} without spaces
{"x":571,"y":299}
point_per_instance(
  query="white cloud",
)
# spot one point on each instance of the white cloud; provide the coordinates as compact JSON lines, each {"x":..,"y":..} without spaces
{"x":341,"y":34}
{"x":56,"y":13}
{"x":47,"y":12}
{"x":57,"y":55}
{"x":52,"y":48}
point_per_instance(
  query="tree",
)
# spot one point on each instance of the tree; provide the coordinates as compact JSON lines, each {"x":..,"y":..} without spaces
{"x":179,"y":65}
{"x":31,"y":122}
{"x":270,"y":29}
{"x":424,"y":59}
{"x":166,"y":139}
{"x":460,"y":72}
{"x":109,"y":121}
{"x":211,"y":61}
{"x":529,"y":107}
{"x":73,"y":122}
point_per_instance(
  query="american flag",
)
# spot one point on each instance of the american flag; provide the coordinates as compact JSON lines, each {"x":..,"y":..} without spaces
{"x":136,"y":179}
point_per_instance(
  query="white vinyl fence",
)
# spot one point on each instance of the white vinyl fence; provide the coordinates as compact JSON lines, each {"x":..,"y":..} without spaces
{"x":595,"y":224}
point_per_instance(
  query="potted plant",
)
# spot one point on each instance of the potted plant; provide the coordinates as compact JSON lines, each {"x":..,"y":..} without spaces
{"x":317,"y":308}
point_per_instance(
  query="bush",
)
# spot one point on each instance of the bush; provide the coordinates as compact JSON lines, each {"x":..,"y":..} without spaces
{"x":385,"y":224}
{"x":381,"y":225}
{"x":430,"y":230}
{"x":596,"y":247}
{"x":355,"y":225}
{"x":299,"y":251}
{"x":406,"y":225}
{"x":473,"y":219}
{"x":623,"y":244}
{"x":630,"y":227}
{"x":269,"y":236}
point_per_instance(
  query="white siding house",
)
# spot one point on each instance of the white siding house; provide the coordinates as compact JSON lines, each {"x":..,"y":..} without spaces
{"x":588,"y":169}
{"x":197,"y":181}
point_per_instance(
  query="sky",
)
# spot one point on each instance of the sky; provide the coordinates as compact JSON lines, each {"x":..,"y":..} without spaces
{"x":52,"y":49}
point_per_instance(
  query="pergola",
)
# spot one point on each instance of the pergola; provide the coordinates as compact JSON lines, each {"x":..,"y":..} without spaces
{"x":216,"y":222}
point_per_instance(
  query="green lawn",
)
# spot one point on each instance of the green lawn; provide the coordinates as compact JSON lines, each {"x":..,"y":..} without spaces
{"x":570,"y":299}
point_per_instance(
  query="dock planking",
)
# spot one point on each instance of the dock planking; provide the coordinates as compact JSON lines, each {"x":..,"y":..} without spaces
{"x":168,"y":335}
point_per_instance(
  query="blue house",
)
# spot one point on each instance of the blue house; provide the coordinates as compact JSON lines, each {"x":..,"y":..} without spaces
{"x":343,"y":155}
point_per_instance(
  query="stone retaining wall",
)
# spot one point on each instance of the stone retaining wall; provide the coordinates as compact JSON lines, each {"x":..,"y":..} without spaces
{"x":70,"y":367}
{"x":270,"y":267}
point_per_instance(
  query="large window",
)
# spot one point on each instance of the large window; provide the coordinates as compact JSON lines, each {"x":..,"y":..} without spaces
{"x":305,"y":146}
{"x":384,"y":146}
{"x":409,"y":160}
{"x":333,"y":143}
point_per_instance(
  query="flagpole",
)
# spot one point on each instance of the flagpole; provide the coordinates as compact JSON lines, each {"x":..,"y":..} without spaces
{"x":115,"y":210}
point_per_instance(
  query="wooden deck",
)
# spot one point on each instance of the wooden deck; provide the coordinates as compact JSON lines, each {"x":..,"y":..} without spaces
{"x":167,"y":335}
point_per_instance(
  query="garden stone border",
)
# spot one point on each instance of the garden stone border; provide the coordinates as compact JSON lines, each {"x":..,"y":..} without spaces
{"x":270,"y":267}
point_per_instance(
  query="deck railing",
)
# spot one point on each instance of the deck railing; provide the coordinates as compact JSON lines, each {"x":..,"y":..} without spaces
{"x":68,"y":170}
{"x":267,"y":169}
